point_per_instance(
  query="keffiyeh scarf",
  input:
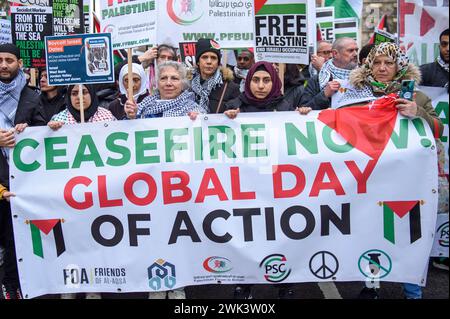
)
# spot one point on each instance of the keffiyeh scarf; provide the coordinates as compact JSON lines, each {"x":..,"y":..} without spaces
{"x":9,"y":101}
{"x":443,"y":64}
{"x":204,"y":90}
{"x":330,"y":71}
{"x":179,"y":106}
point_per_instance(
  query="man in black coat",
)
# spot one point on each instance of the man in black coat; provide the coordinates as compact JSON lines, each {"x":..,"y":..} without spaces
{"x":19,"y":107}
{"x":436,"y":73}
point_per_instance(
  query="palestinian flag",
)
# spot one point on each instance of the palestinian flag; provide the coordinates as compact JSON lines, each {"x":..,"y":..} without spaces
{"x":46,"y":226}
{"x":382,"y":25}
{"x":401,"y":209}
{"x":346,"y":8}
{"x":346,"y":27}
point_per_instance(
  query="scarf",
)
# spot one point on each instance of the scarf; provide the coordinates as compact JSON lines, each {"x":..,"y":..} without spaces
{"x":204,"y":90}
{"x":274,"y":93}
{"x":89,"y":111}
{"x":241,"y":74}
{"x":136,"y":69}
{"x":9,"y":101}
{"x":442,"y":63}
{"x":393,"y":51}
{"x":180,"y":106}
{"x":330,"y":72}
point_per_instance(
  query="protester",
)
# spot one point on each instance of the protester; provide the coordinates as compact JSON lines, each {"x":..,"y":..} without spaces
{"x":385,"y":68}
{"x":160,"y":54}
{"x":293,"y":85}
{"x":245,"y":61}
{"x":436,"y":73}
{"x":171,"y":99}
{"x":52,"y":97}
{"x":213,"y":85}
{"x":262,"y":94}
{"x":19,"y":108}
{"x":140,"y":91}
{"x":321,"y":88}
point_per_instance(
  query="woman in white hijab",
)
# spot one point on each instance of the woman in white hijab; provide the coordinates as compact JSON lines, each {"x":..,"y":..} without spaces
{"x":139,"y":89}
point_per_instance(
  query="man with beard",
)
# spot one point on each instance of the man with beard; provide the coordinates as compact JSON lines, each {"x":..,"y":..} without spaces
{"x":19,"y":108}
{"x":436,"y":73}
{"x":321,"y":88}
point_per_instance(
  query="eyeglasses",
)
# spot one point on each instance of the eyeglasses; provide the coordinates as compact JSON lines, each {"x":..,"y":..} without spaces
{"x":245,"y":58}
{"x":325,"y":52}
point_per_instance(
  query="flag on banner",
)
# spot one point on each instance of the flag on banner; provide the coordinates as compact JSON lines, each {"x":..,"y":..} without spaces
{"x":46,"y":226}
{"x":402,"y":208}
{"x":346,"y":8}
{"x":381,"y":26}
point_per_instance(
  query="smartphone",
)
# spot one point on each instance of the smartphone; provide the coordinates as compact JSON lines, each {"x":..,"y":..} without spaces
{"x":407,"y":90}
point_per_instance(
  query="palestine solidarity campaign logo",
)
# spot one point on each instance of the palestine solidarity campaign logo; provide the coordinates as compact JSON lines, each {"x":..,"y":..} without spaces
{"x":184,"y":12}
{"x":46,"y":226}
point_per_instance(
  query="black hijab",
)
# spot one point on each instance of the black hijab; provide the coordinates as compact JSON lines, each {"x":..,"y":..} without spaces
{"x":88,"y":111}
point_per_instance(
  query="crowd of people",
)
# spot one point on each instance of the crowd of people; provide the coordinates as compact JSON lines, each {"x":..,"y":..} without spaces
{"x":169,"y":89}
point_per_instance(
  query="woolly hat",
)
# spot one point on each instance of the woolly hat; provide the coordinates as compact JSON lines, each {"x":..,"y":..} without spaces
{"x":10,"y":48}
{"x":207,"y":45}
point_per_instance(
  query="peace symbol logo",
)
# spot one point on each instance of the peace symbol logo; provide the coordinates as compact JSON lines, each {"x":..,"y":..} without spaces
{"x":323,"y":265}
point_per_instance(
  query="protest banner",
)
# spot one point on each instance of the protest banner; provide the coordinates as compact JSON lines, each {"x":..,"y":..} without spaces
{"x":284,"y":30}
{"x":229,"y":22}
{"x":79,"y":59}
{"x":419,"y":25}
{"x":86,"y":16}
{"x":29,"y":27}
{"x":152,"y":205}
{"x":67,"y":17}
{"x":187,"y":53}
{"x":325,"y":20}
{"x":130,"y":24}
{"x":5,"y":31}
{"x":381,"y":36}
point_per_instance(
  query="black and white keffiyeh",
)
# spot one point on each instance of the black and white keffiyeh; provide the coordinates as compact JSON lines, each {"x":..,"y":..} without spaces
{"x":202,"y":91}
{"x":180,"y":106}
{"x":443,"y":64}
{"x":330,"y":71}
{"x":9,"y":101}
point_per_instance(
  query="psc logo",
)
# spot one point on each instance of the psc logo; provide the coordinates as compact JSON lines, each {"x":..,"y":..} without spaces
{"x":275,"y":268}
{"x":216,"y":264}
{"x":161,"y":272}
{"x":442,"y":233}
{"x":184,"y":12}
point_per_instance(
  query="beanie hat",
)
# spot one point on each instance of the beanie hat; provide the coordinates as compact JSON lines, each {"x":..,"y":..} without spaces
{"x":207,"y":45}
{"x":10,"y":48}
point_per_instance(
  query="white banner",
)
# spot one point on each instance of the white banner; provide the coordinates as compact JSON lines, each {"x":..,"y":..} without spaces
{"x":420,"y":24}
{"x":325,"y":20}
{"x":130,"y":24}
{"x":229,"y":22}
{"x":158,"y":204}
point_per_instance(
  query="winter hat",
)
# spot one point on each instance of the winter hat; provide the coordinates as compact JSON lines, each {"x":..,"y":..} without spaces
{"x":10,"y":48}
{"x":207,"y":45}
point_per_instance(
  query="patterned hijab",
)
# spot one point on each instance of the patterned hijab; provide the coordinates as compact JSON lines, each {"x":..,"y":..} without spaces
{"x":393,"y":51}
